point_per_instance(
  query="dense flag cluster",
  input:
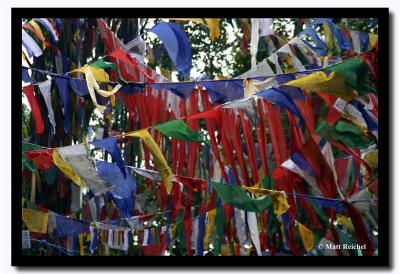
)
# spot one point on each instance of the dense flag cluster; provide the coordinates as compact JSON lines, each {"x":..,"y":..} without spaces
{"x":277,"y":161}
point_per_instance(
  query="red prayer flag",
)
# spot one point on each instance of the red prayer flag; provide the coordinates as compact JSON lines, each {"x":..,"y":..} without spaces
{"x":250,"y":147}
{"x":237,"y":144}
{"x":325,"y":180}
{"x":359,"y":226}
{"x":42,"y":158}
{"x":277,"y":133}
{"x":37,"y":115}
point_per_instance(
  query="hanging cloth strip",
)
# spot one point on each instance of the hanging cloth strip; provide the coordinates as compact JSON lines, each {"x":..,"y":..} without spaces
{"x":62,"y":85}
{"x":30,"y":45}
{"x":45,"y":90}
{"x":158,"y":158}
{"x":254,"y":41}
{"x":93,"y":86}
{"x":37,"y":116}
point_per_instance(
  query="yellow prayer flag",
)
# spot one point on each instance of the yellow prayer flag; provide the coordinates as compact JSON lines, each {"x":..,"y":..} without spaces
{"x":33,"y":188}
{"x":328,"y":38}
{"x":373,"y":39}
{"x":38,"y":30}
{"x":279,"y":201}
{"x":173,"y":230}
{"x":319,"y":81}
{"x":371,"y":158}
{"x":112,"y":100}
{"x":289,"y":64}
{"x":307,"y":237}
{"x":258,"y":185}
{"x":36,"y":221}
{"x":98,"y":73}
{"x":94,"y":86}
{"x":66,"y":169}
{"x":158,"y":158}
{"x":226,"y":250}
{"x":81,"y":248}
{"x":92,"y":82}
{"x":210,"y":226}
{"x":346,"y":222}
{"x":213,"y":26}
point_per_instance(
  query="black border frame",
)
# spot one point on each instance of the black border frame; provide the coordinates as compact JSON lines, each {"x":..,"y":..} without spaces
{"x":383,"y":259}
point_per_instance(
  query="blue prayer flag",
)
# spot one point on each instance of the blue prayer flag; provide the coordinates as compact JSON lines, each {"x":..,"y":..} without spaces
{"x":344,"y":43}
{"x":180,"y":89}
{"x":303,"y":164}
{"x":79,"y":86}
{"x":110,"y":145}
{"x":176,"y":44}
{"x":293,"y":92}
{"x":26,"y":77}
{"x":281,"y":100}
{"x":321,"y":48}
{"x":70,"y":227}
{"x":224,"y":91}
{"x":364,"y":41}
{"x":62,"y":85}
{"x":321,"y":202}
{"x":123,"y":186}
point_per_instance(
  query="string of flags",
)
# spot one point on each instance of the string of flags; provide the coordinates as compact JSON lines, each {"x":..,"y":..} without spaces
{"x":279,"y":160}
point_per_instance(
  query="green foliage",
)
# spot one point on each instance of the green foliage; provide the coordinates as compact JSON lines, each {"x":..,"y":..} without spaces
{"x":26,"y":120}
{"x":284,"y":27}
{"x":213,"y":58}
{"x":369,"y":25}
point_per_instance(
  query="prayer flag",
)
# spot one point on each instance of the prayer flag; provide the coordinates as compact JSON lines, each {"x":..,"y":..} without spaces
{"x":237,"y":197}
{"x":307,"y":237}
{"x":178,"y":129}
{"x":158,"y":158}
{"x":36,"y":221}
{"x":111,"y":146}
{"x":176,"y":44}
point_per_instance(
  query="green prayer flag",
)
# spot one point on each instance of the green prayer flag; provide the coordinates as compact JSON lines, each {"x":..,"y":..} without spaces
{"x":101,"y":64}
{"x":50,"y":175}
{"x":355,"y":73}
{"x":320,"y":213}
{"x":238,"y":197}
{"x":219,"y":229}
{"x":345,"y":133}
{"x":178,"y":129}
{"x":352,"y":176}
{"x":268,"y":182}
{"x":272,"y":224}
{"x":157,"y":235}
